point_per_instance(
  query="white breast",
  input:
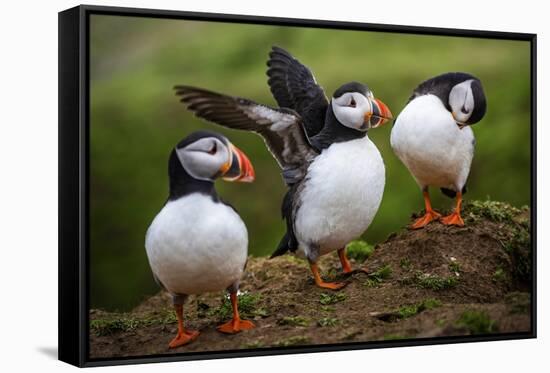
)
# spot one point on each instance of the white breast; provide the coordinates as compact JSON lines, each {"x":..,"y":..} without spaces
{"x":341,"y":195}
{"x":195,"y":245}
{"x":428,"y":141}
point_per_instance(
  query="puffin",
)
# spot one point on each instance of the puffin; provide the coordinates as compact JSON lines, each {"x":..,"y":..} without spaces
{"x":198,"y":243}
{"x":433,"y":138}
{"x":334,"y":172}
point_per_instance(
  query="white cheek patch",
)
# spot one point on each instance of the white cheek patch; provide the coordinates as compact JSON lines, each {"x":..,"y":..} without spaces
{"x":352,"y":117}
{"x":461,"y":101}
{"x":199,"y":163}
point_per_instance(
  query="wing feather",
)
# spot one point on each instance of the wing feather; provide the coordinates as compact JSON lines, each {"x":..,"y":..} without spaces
{"x":281,"y":129}
{"x":294,"y":86}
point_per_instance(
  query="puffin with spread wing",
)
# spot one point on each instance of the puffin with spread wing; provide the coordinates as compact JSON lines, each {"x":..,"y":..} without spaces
{"x":334,"y":172}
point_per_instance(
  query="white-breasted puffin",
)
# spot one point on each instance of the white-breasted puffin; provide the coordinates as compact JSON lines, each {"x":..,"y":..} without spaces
{"x":198,"y":243}
{"x":433,"y":138}
{"x":334,"y":172}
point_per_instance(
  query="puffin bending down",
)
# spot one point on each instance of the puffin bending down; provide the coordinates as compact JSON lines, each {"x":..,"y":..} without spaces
{"x":432,"y":137}
{"x":334,"y":172}
{"x":197,"y":243}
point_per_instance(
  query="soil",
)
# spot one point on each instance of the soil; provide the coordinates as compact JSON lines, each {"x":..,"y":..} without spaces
{"x":436,"y":281}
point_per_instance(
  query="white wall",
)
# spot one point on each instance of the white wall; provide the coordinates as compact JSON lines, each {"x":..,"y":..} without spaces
{"x":28,"y":183}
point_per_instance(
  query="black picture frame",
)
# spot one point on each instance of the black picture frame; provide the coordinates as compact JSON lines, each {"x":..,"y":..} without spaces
{"x":74,"y":169}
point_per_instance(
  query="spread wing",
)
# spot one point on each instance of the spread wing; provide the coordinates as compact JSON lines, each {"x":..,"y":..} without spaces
{"x":281,"y":129}
{"x":294,"y":86}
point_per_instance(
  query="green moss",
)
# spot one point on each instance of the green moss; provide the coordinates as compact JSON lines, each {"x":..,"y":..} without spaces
{"x":293,"y":341}
{"x":519,"y":248}
{"x":327,"y":298}
{"x":499,"y":275}
{"x":114,"y":323}
{"x":476,"y":322}
{"x":359,"y":250}
{"x":109,"y":326}
{"x":294,"y":321}
{"x":434,"y":282}
{"x":412,"y":310}
{"x":328,"y":321}
{"x":407,"y":311}
{"x":296,"y":260}
{"x":493,"y":210}
{"x":520,"y":302}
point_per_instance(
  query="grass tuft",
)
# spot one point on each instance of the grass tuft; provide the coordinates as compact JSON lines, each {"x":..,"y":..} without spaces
{"x":328,"y":321}
{"x":374,"y":279}
{"x":412,"y":310}
{"x":327,"y":298}
{"x":476,"y":322}
{"x":405,"y":264}
{"x":294,"y":321}
{"x":247,"y":307}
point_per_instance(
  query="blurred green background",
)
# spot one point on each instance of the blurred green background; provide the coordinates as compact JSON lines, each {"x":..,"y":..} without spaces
{"x":136,"y":120}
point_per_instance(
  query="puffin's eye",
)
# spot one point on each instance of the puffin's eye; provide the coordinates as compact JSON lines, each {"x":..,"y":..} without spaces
{"x":352,"y":103}
{"x":213,"y":149}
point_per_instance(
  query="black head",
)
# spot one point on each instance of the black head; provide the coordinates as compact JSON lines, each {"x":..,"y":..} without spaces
{"x":461,"y":93}
{"x":355,"y":107}
{"x":201,"y":158}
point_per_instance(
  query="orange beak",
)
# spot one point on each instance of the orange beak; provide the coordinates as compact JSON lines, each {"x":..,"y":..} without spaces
{"x":240,"y":169}
{"x":380,"y":114}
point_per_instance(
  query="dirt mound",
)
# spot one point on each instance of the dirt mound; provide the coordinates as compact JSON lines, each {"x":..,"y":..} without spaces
{"x":432,"y":282}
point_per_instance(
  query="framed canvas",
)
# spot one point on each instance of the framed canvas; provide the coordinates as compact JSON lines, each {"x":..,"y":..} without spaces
{"x":239,"y":186}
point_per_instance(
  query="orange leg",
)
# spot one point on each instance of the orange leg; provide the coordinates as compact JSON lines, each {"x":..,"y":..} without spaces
{"x":184,"y":336}
{"x":322,"y":284}
{"x":346,"y":266}
{"x":430,"y":214}
{"x":236,"y":324}
{"x":454,"y":218}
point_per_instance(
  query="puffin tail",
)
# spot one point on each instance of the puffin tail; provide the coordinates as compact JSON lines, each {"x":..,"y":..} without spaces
{"x":451,"y":193}
{"x":283,"y":247}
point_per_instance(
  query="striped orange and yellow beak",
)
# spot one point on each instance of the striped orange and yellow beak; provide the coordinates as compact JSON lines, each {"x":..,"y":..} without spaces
{"x":380,"y":114}
{"x":239,"y":168}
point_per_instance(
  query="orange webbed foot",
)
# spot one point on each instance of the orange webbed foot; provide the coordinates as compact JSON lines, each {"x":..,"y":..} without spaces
{"x":235,"y":326}
{"x":184,"y":338}
{"x":428,"y":217}
{"x":453,"y":219}
{"x":331,"y":285}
